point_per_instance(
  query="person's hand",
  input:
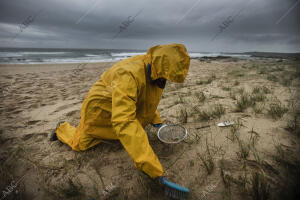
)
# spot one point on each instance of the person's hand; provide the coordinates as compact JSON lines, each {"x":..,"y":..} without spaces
{"x":157,"y":125}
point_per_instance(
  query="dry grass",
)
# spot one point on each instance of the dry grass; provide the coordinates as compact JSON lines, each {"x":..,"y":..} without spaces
{"x":208,"y":81}
{"x":215,"y":111}
{"x":236,"y":83}
{"x":182,"y":118}
{"x":226,"y":88}
{"x":286,"y":82}
{"x":263,"y":70}
{"x":244,"y":149}
{"x":232,"y":95}
{"x":243,"y":102}
{"x":200,"y":96}
{"x":266,"y":90}
{"x":180,"y":100}
{"x":207,"y":159}
{"x":258,"y":97}
{"x":293,"y":123}
{"x":277,"y":110}
{"x":246,"y":100}
{"x":258,"y":109}
{"x":259,"y":93}
{"x":280,"y":155}
{"x":236,"y":73}
{"x":204,"y":115}
{"x":273,"y":78}
{"x":268,"y":69}
{"x":227,"y":180}
{"x":260,"y":187}
{"x":234,"y":130}
{"x":218,"y":110}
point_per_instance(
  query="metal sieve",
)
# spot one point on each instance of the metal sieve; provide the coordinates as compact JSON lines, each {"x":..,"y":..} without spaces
{"x":171,"y":133}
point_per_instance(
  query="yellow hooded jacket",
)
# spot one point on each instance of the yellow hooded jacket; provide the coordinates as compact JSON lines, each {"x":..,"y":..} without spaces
{"x":123,"y":102}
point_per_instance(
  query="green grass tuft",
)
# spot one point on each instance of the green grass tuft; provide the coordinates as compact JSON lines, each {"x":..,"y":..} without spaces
{"x":218,"y":111}
{"x":236,"y":83}
{"x":226,"y":88}
{"x":200,"y":96}
{"x":258,"y":97}
{"x":276,"y":110}
{"x":244,"y":102}
{"x":273,"y":78}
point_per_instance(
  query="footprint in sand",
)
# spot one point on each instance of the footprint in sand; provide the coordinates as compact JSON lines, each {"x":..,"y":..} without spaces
{"x":71,"y":113}
{"x":17,"y":111}
{"x":32,"y":122}
{"x":36,"y":136}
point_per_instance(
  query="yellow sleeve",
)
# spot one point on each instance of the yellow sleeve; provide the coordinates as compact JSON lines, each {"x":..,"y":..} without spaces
{"x":127,"y":127}
{"x":156,"y":119}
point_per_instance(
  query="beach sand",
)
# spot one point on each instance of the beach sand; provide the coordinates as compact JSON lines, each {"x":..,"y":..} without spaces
{"x":261,"y":149}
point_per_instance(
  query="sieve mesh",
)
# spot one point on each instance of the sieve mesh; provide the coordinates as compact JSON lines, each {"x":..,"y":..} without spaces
{"x":172,"y":133}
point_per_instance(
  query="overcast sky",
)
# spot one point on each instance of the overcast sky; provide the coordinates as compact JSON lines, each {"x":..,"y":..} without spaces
{"x":251,"y":25}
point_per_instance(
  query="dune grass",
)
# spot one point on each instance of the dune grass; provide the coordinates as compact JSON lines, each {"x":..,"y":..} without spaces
{"x":236,"y":73}
{"x":200,"y":96}
{"x":216,"y":111}
{"x":277,"y":110}
{"x":272,"y":77}
{"x":243,"y":102}
{"x":259,"y":186}
{"x":246,"y":100}
{"x":182,"y":118}
{"x":208,"y":81}
{"x":207,"y":159}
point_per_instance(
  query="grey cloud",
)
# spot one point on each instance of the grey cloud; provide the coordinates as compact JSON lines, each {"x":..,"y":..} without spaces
{"x":254,"y":28}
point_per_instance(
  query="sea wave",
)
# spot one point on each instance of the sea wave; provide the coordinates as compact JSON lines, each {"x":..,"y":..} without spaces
{"x":20,"y":56}
{"x":199,"y":55}
{"x":127,"y":54}
{"x":43,"y":53}
{"x":10,"y":54}
{"x":92,"y":55}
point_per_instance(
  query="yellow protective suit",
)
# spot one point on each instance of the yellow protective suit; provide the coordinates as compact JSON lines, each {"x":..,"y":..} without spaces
{"x":124,"y":101}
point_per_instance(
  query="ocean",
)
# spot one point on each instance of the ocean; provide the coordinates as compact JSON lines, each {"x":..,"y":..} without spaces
{"x":48,"y":56}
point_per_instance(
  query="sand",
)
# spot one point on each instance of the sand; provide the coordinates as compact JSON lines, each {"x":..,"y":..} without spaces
{"x":213,"y":162}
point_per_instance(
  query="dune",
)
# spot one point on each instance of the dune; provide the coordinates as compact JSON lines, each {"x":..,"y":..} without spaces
{"x":255,"y":158}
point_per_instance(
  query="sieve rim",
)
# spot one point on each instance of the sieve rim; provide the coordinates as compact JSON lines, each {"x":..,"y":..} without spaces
{"x":165,"y":125}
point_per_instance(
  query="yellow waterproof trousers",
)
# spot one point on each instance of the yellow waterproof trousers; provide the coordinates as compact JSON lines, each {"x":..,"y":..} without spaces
{"x":89,"y":132}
